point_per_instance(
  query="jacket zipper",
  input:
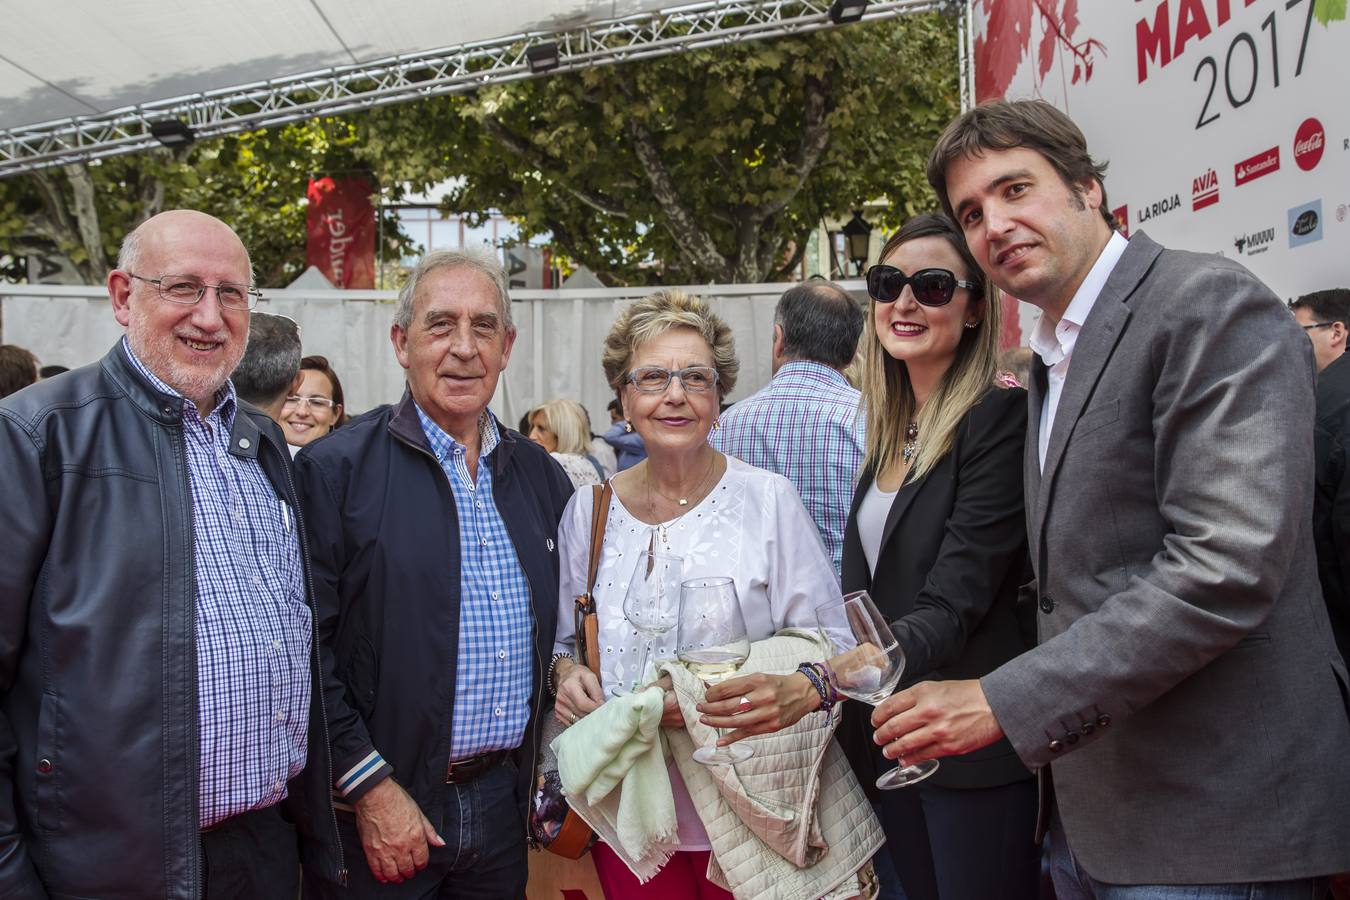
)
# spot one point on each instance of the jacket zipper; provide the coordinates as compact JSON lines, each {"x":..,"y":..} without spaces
{"x":194,"y":764}
{"x":318,"y":668}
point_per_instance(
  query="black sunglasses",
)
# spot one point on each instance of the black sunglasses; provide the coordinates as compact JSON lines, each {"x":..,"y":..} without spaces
{"x":931,"y":287}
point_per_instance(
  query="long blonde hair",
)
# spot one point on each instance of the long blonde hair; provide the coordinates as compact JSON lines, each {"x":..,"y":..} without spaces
{"x":567,"y":420}
{"x":887,"y":392}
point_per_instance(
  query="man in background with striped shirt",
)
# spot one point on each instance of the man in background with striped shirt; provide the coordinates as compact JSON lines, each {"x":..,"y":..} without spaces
{"x":804,"y":424}
{"x":156,"y":661}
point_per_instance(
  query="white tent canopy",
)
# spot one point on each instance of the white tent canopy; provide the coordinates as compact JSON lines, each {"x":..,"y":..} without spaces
{"x":81,"y":80}
{"x":83,"y":57}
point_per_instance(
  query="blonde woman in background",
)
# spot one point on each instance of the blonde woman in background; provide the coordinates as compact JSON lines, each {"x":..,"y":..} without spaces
{"x":560,"y":427}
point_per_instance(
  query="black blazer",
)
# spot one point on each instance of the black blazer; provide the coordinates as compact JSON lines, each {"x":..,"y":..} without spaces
{"x":952,"y":557}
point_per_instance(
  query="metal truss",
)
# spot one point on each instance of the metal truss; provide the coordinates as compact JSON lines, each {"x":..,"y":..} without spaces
{"x":417,"y":76}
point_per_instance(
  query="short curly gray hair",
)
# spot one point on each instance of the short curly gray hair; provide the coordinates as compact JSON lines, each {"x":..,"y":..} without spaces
{"x":483,"y":261}
{"x":658,"y":313}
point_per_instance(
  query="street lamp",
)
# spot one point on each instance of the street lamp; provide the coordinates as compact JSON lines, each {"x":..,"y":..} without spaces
{"x":859,"y":236}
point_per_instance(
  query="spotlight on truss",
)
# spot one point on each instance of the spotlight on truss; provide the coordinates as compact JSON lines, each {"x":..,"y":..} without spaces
{"x":542,"y":57}
{"x":842,"y":12}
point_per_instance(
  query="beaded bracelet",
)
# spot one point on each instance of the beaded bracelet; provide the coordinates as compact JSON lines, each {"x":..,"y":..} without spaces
{"x":813,"y":671}
{"x":549,"y":683}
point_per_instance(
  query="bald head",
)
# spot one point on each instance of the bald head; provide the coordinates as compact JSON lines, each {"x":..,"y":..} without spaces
{"x":171,"y":221}
{"x":190,"y":346}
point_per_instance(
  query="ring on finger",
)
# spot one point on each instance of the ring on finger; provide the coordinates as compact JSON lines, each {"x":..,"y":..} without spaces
{"x":745,"y":705}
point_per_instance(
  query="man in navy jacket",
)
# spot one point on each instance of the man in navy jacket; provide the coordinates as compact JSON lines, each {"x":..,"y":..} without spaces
{"x":434,"y":540}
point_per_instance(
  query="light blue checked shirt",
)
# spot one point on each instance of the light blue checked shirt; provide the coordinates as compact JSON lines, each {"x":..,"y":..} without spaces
{"x":804,"y":425}
{"x":494,"y":674}
{"x":252,"y":622}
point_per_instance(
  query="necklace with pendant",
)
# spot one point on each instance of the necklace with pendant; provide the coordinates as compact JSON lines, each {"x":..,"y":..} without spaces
{"x":911,"y":445}
{"x":682,"y":501}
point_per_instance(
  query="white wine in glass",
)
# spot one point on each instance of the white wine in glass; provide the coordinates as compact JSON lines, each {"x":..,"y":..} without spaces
{"x":713,"y":644}
{"x":868,"y":665}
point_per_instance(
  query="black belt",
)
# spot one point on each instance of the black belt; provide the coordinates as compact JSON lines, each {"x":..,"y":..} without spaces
{"x":462,"y":770}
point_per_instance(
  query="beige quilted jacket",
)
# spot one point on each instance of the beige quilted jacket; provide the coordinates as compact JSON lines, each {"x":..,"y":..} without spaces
{"x":791,"y":822}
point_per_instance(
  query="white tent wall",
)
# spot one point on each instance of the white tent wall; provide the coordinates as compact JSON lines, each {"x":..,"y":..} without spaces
{"x":557,"y":351}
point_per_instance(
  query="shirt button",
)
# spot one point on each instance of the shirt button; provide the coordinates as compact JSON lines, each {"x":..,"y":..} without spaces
{"x":257,"y":580}
{"x":281,"y":715}
{"x":497,"y":711}
{"x":276,"y":645}
{"x":494,"y":595}
{"x":484,"y":542}
{"x":501,"y":654}
{"x":480,"y":504}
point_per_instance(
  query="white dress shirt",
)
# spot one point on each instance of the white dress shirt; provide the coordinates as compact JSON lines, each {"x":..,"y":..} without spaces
{"x":1053,"y":341}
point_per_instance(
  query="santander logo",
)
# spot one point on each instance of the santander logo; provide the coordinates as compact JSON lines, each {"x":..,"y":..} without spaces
{"x":1309,"y":142}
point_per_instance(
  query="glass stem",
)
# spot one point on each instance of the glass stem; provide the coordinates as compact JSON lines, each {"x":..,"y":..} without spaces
{"x":642,"y":669}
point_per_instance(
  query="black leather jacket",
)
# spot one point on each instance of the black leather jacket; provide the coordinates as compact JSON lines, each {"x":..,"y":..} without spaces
{"x":98,"y":659}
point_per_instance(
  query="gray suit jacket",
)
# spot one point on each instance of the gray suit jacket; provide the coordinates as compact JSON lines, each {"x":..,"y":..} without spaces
{"x":1186,"y":686}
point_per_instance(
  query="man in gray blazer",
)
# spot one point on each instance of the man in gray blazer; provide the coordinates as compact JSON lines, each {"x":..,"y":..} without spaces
{"x":1186,"y":693}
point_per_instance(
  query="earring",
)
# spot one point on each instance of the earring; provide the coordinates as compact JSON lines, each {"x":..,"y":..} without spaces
{"x":627,"y":426}
{"x":717,"y":423}
{"x":972,"y":324}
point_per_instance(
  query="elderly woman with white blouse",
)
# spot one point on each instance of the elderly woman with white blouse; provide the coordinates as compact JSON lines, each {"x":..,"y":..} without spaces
{"x":671,"y":361}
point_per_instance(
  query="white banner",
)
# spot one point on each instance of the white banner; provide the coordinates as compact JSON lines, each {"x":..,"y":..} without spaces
{"x":1225,"y":122}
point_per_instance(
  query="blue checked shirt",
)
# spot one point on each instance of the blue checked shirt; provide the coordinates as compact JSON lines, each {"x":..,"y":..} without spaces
{"x":804,"y":425}
{"x":494,"y":675}
{"x":253,"y":623}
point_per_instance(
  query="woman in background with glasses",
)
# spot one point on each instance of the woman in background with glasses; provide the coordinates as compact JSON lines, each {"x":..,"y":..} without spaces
{"x":316,"y":408}
{"x":937,"y":535}
{"x":671,"y":361}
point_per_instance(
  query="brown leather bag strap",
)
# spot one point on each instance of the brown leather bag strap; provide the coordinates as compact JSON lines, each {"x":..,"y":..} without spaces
{"x":599,"y":516}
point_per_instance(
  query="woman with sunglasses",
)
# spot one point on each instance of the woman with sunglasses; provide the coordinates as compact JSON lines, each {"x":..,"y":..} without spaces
{"x":937,"y":535}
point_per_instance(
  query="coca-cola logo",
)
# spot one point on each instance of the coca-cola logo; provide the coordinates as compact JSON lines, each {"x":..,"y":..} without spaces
{"x":1309,"y":142}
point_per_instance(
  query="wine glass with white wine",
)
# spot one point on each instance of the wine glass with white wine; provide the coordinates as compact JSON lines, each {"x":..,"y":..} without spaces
{"x":868,"y":666}
{"x":652,"y":603}
{"x":713,"y":643}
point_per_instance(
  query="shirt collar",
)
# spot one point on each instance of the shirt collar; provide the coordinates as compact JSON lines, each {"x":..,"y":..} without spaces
{"x":1048,"y":337}
{"x":225,"y":397}
{"x":443,"y":445}
{"x":811,"y":369}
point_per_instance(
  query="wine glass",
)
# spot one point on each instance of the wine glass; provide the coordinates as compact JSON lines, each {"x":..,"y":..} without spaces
{"x":652,"y":604}
{"x":713,"y":643}
{"x":868,"y":666}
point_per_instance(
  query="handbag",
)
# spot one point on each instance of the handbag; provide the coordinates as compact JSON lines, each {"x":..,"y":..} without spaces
{"x":553,"y":825}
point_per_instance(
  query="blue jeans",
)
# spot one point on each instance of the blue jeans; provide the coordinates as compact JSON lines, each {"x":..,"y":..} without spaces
{"x":484,"y":857}
{"x":1072,"y":883}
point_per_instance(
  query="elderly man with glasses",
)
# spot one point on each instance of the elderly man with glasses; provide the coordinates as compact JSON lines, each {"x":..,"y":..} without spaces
{"x":434,"y":534}
{"x":156,"y":661}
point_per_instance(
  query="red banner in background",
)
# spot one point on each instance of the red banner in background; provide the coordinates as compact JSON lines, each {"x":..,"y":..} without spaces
{"x":341,"y":227}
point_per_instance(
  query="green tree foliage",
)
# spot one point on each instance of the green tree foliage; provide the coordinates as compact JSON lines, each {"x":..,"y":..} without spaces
{"x":707,"y":165}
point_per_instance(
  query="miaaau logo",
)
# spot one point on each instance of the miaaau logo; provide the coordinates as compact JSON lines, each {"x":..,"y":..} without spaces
{"x":1204,"y":190}
{"x":1255,"y":242}
{"x":1309,"y":142}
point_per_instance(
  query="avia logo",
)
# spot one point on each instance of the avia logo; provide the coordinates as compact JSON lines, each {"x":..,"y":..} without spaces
{"x":1254,"y":167}
{"x":1204,"y":190}
{"x":1305,"y":223}
{"x":1309,"y":142}
{"x":1158,"y":207}
{"x":1255,"y":242}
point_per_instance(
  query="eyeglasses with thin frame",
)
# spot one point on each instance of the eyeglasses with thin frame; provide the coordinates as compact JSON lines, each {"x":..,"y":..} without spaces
{"x":322,"y":403}
{"x":188,"y":290}
{"x":931,"y":287}
{"x":1317,"y":325}
{"x":655,"y":379}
